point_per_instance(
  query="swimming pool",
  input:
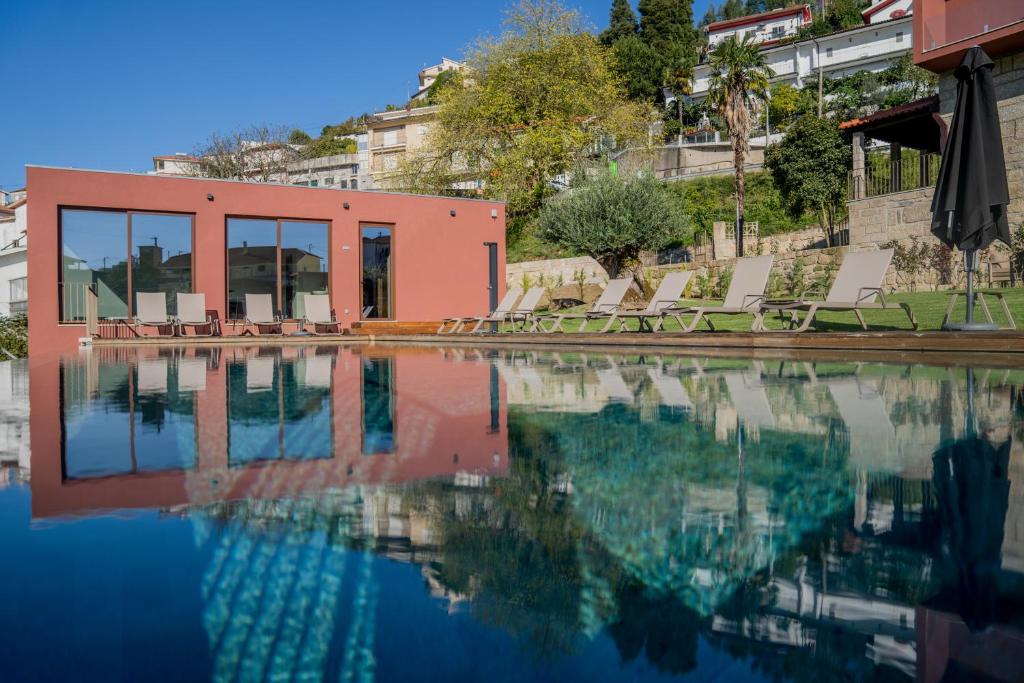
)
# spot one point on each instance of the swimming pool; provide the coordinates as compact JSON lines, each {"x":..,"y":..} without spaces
{"x":419,"y":513}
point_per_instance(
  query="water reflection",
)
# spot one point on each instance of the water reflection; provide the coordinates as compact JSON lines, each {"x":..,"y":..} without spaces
{"x":745,"y":519}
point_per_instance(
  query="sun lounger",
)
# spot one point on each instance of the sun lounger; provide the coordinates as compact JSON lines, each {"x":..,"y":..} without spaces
{"x":151,"y":311}
{"x":259,"y":313}
{"x":152,"y":374}
{"x":750,"y":399}
{"x":745,"y":295}
{"x":498,"y":315}
{"x":316,"y":370}
{"x":522,"y":312}
{"x":192,"y":374}
{"x":607,"y":304}
{"x":857,"y":288}
{"x":320,"y":315}
{"x":259,"y":373}
{"x":670,"y":389}
{"x":192,"y":313}
{"x":668,"y":294}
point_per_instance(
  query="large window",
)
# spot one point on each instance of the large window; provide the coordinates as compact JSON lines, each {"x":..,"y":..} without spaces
{"x":283,"y":258}
{"x":121,"y":253}
{"x":376,"y":275}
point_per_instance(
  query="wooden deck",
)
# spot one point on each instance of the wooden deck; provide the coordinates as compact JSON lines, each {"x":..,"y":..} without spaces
{"x":1004,"y":349}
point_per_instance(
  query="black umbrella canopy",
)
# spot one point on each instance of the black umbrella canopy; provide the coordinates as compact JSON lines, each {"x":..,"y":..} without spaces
{"x":972,"y":179}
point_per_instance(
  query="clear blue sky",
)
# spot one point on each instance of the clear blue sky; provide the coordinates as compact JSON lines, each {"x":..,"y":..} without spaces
{"x":102,"y":84}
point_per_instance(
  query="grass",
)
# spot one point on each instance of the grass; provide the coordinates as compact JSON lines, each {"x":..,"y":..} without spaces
{"x":928,"y":307}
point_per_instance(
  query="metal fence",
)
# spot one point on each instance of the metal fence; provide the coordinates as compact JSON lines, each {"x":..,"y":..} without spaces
{"x":895,"y":175}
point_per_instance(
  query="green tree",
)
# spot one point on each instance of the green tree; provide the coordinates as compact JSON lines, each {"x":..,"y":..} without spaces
{"x":710,"y":16}
{"x":299,"y":137}
{"x":621,"y":23}
{"x":787,"y":104}
{"x":739,"y":78}
{"x":612,"y":220}
{"x":535,"y":104}
{"x":667,"y":27}
{"x":637,"y":64}
{"x":733,"y":9}
{"x":810,"y":166}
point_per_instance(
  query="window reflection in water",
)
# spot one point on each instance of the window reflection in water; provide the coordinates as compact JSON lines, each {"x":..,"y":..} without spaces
{"x":378,"y":405}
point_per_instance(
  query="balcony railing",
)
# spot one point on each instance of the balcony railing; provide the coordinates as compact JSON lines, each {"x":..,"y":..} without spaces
{"x":896,"y":175}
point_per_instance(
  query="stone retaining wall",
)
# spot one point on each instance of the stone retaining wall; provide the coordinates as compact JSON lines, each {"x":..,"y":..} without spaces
{"x":553,"y":269}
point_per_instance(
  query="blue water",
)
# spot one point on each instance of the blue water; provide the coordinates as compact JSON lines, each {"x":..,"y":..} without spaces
{"x":357,"y":514}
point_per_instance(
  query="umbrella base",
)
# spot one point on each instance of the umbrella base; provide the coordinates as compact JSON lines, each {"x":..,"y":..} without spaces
{"x":970,"y":327}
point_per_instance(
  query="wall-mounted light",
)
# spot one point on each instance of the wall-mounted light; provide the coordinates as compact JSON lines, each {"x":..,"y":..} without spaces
{"x":452,"y":213}
{"x":345,"y":206}
{"x":209,"y":197}
{"x":494,"y":214}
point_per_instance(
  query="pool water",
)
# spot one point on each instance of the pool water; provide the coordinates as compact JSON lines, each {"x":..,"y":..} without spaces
{"x":431,"y":514}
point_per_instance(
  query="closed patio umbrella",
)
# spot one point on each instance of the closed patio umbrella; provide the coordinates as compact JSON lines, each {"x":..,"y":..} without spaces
{"x":969,"y":205}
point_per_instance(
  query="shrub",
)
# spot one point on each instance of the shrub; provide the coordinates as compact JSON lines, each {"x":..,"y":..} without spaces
{"x":14,"y":336}
{"x":611,"y":220}
{"x":796,"y":278}
{"x":909,"y":259}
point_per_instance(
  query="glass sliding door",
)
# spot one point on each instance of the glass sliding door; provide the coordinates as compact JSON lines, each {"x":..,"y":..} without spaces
{"x":376,"y":273}
{"x":162,"y":255}
{"x":119,"y":253}
{"x":285,"y":259}
{"x":94,"y":253}
{"x":252,"y":262}
{"x":304,"y":251}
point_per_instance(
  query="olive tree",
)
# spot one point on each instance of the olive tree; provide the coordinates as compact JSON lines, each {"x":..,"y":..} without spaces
{"x":612,"y":220}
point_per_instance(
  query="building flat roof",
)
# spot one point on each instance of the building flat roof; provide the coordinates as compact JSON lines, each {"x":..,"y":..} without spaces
{"x":270,"y":184}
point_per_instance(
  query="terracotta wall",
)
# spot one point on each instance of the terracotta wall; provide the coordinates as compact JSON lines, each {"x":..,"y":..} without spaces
{"x":440,"y":263}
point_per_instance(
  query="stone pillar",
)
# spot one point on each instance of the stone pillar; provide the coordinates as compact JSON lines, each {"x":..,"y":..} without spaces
{"x":857,"y":177}
{"x":721,"y":248}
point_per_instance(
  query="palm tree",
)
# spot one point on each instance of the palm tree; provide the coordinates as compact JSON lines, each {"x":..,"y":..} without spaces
{"x":739,"y":79}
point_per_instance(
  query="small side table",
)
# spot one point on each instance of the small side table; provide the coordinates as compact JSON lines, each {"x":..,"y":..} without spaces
{"x":979,"y":295}
{"x":779,"y":306}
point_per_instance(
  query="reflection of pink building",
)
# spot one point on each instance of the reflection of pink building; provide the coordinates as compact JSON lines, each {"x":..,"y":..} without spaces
{"x":449,"y":420}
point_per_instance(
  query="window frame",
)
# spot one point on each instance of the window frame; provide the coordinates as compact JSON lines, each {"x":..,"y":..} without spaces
{"x":278,"y":261}
{"x":128,"y":243}
{"x":391,"y":275}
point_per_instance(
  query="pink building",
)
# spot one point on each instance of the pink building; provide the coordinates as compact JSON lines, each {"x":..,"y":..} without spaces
{"x":380,"y":256}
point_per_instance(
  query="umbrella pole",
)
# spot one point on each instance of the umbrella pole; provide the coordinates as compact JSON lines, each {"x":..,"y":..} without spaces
{"x":969,"y":267}
{"x":968,"y":325}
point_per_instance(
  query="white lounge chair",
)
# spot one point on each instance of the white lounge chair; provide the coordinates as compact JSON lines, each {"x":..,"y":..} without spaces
{"x":857,"y":288}
{"x":668,"y":294}
{"x":523,"y":312}
{"x":151,"y":311}
{"x":750,"y":399}
{"x":259,"y":313}
{"x":152,"y":376}
{"x":745,"y":295}
{"x":192,"y":313}
{"x":320,"y":315}
{"x":607,"y":304}
{"x":192,"y":374}
{"x":259,"y":373}
{"x":498,"y":315}
{"x":671,"y":390}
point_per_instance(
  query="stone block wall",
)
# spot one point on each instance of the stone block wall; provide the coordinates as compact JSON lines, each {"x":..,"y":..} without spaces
{"x":895,"y":216}
{"x":553,"y":269}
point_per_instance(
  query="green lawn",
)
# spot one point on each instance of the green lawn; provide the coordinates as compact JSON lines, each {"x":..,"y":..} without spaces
{"x":928,"y":307}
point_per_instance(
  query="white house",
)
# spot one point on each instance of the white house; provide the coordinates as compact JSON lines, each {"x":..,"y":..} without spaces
{"x":173,"y":164}
{"x":14,"y":258}
{"x":766,"y":28}
{"x":429,"y":74}
{"x":886,"y":10}
{"x":873,"y":47}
